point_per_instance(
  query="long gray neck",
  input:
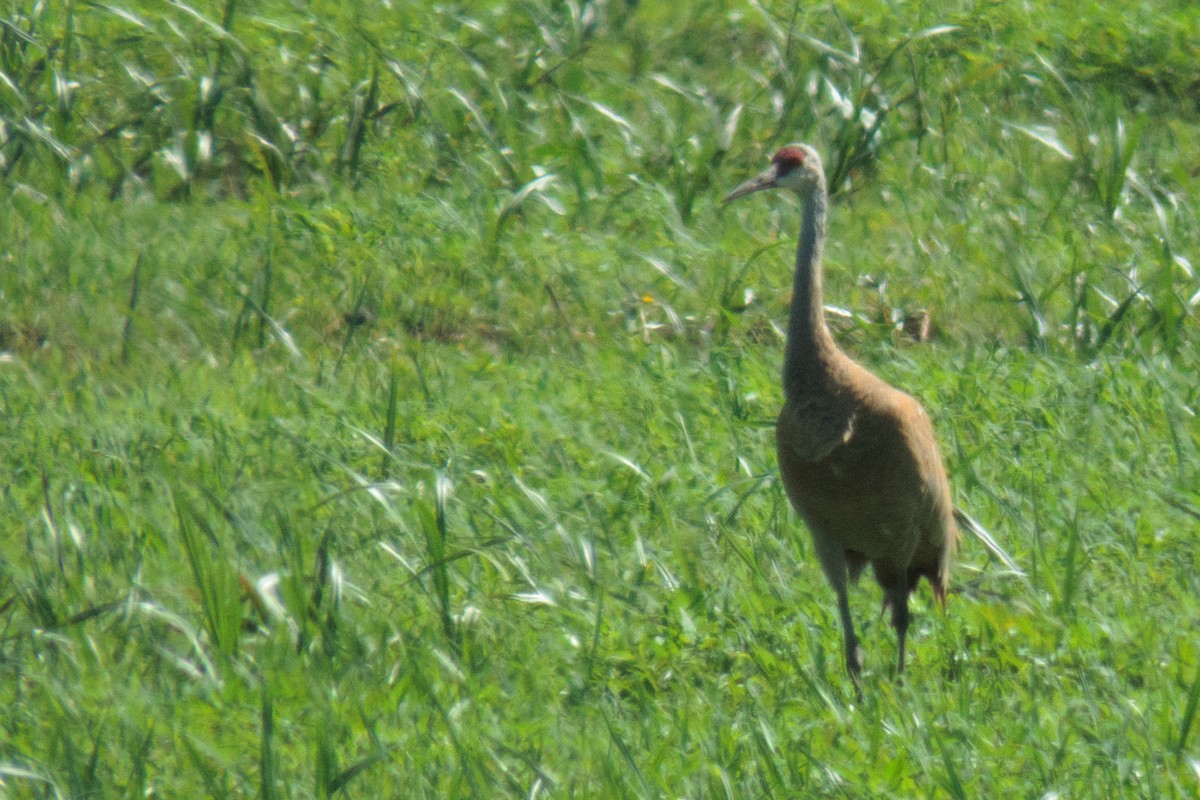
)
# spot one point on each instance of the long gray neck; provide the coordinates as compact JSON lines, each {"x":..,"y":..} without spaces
{"x":810,"y":347}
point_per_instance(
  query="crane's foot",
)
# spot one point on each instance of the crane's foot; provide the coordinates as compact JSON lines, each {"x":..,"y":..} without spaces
{"x":854,"y":660}
{"x":854,"y":665}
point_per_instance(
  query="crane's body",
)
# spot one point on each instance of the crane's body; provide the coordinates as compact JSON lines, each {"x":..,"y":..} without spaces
{"x":858,"y":458}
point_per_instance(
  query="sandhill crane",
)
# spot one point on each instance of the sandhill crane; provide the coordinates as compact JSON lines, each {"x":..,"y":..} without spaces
{"x":858,"y":458}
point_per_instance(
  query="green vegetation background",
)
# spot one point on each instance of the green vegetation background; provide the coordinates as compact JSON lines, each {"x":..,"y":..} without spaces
{"x":386,"y":397}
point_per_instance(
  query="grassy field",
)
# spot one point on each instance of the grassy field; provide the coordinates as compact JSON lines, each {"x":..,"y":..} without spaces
{"x":386,"y":398}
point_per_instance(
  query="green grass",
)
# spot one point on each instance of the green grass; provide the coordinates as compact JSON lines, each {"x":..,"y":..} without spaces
{"x":386,"y":399}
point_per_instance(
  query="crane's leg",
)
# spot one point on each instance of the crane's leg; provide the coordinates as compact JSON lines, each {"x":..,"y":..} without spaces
{"x":853,"y":652}
{"x":900,"y":623}
{"x":836,"y":568}
{"x":895,"y":596}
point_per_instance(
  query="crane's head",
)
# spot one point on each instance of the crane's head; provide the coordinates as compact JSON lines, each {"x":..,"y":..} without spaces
{"x":796,"y":167}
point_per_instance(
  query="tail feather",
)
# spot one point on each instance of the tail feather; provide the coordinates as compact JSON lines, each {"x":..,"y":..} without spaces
{"x":939,"y":590}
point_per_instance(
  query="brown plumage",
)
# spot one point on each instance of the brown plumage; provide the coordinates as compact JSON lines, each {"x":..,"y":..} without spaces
{"x":858,"y":458}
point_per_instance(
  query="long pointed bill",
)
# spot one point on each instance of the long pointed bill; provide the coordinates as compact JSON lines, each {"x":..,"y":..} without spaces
{"x":767,"y":179}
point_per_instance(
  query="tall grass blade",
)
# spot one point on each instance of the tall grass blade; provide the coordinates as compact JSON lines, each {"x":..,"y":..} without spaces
{"x":325,"y":768}
{"x":435,"y":525}
{"x":969,"y":524}
{"x":1189,"y":715}
{"x":12,"y":771}
{"x":216,"y":584}
{"x":1044,"y":135}
{"x":626,"y":754}
{"x":343,"y":778}
{"x":952,"y":781}
{"x":266,"y":753}
{"x":389,"y":420}
{"x":127,"y":328}
{"x":1073,"y":568}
